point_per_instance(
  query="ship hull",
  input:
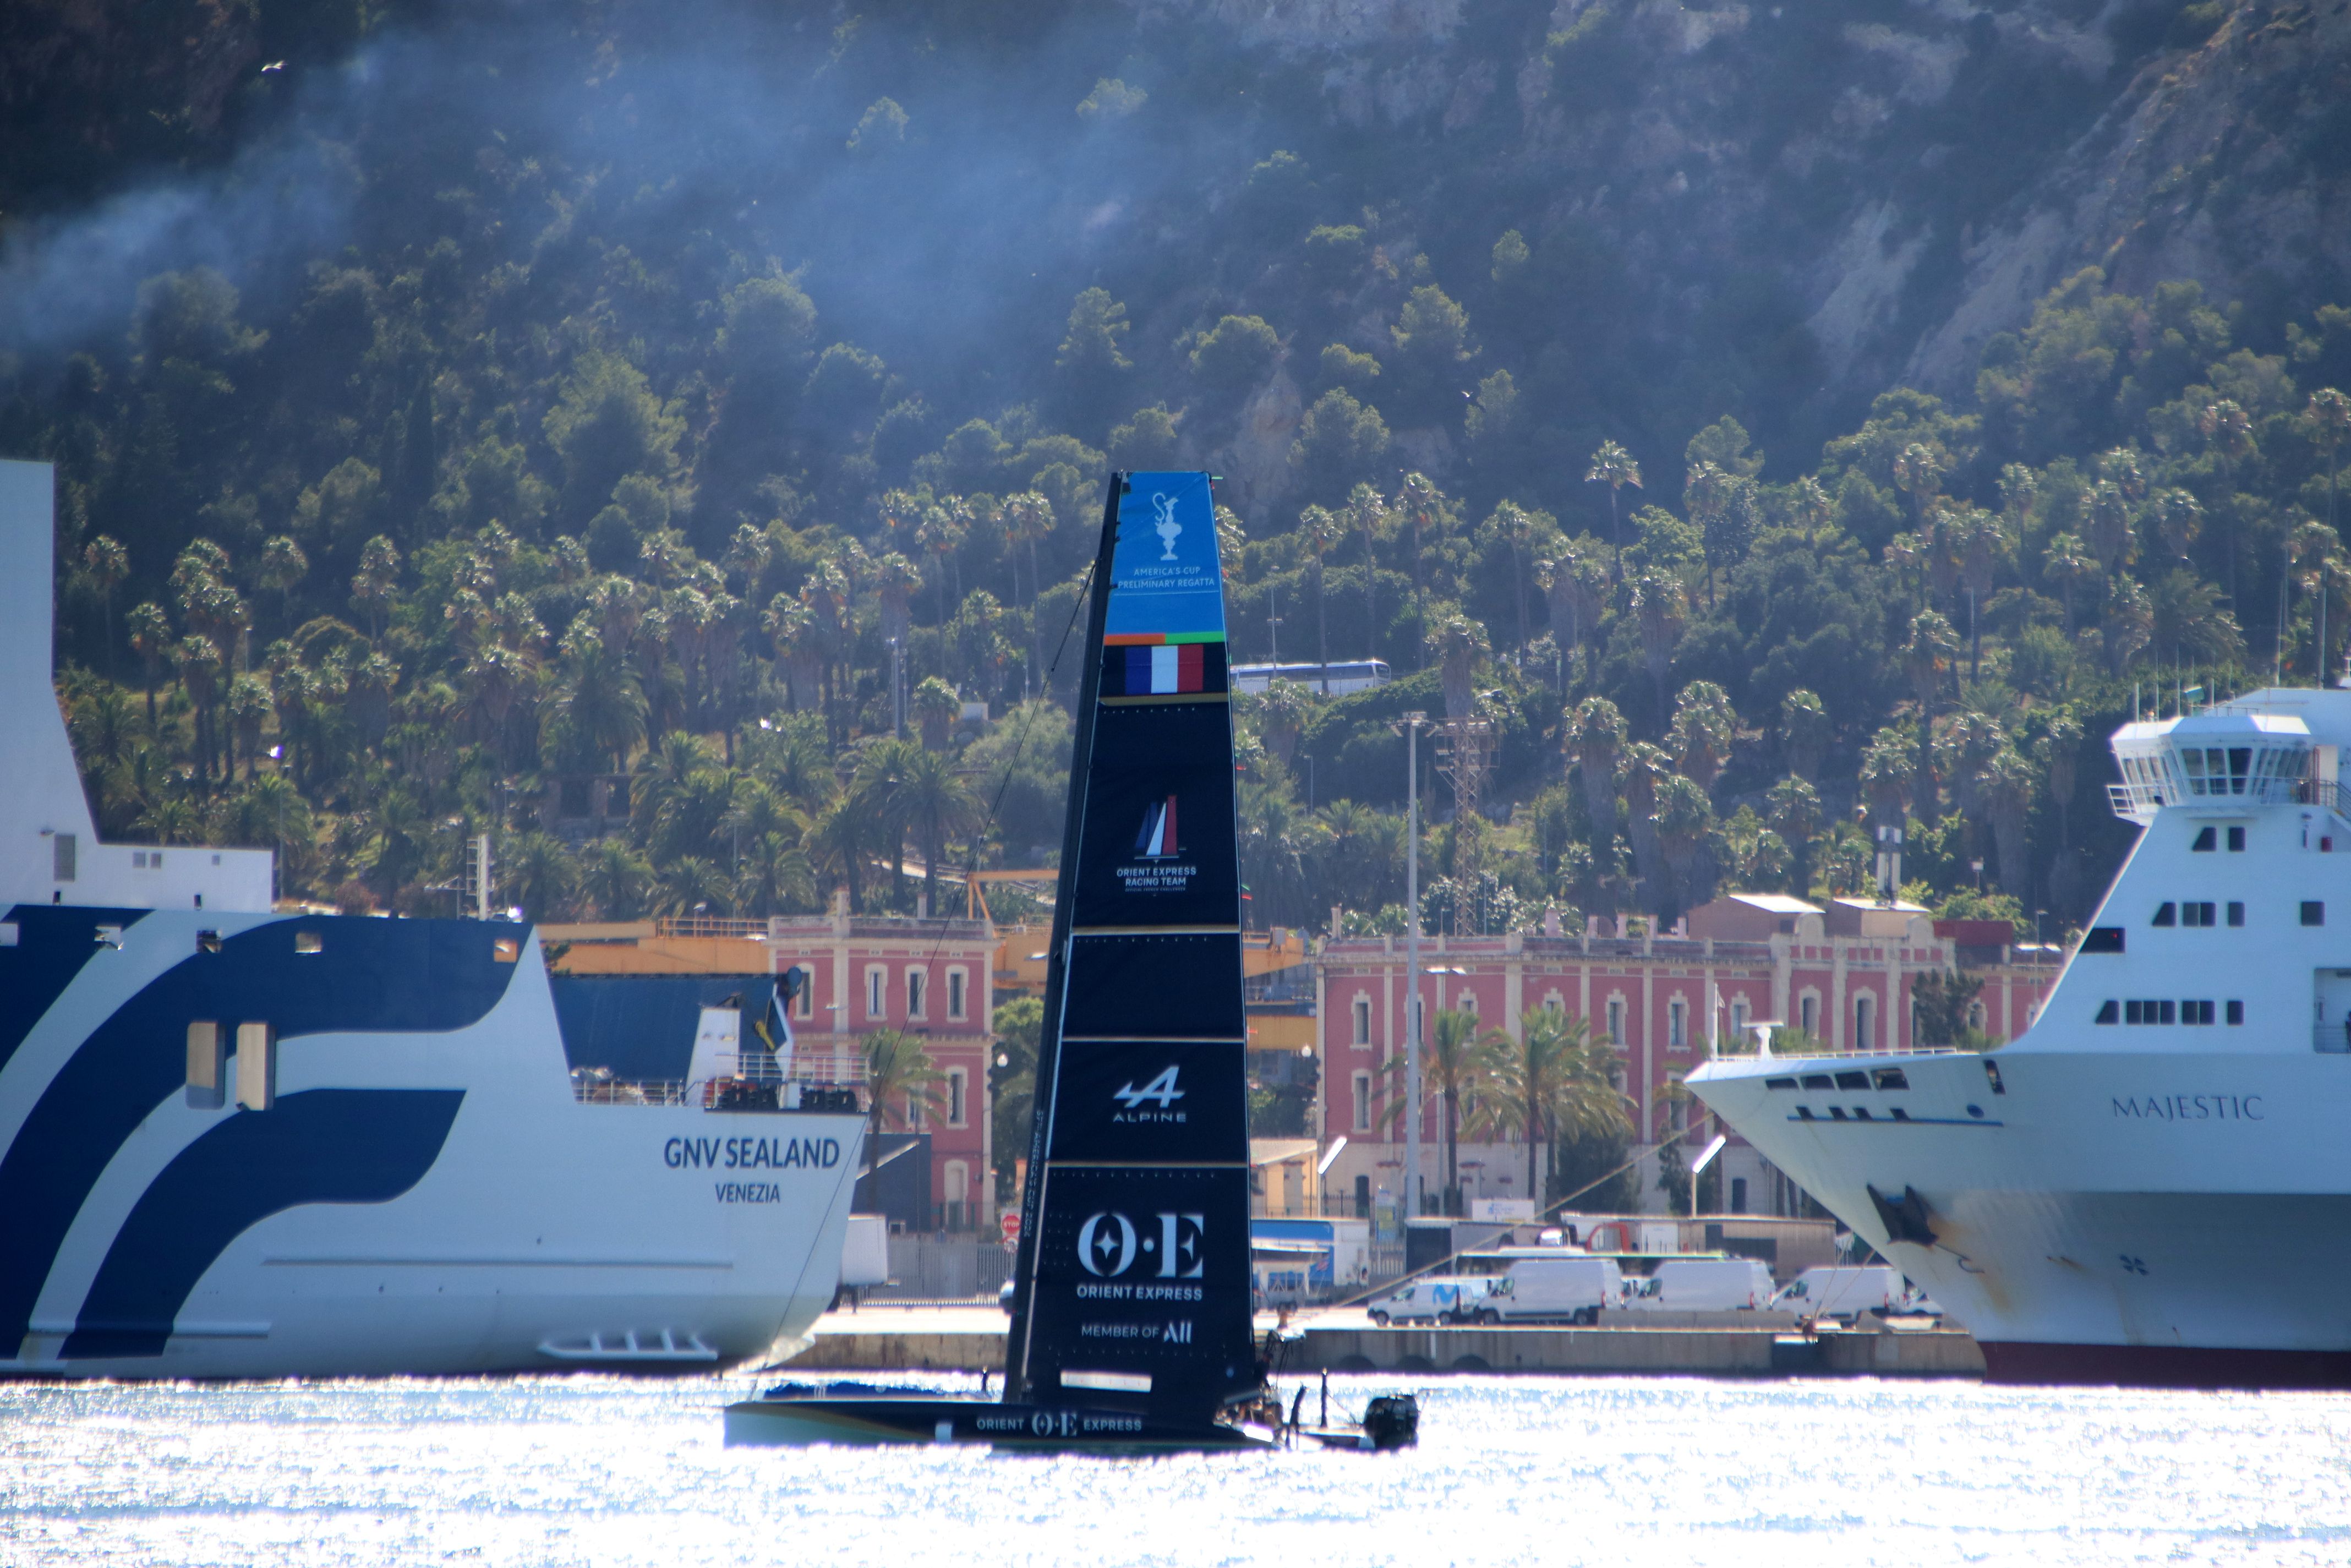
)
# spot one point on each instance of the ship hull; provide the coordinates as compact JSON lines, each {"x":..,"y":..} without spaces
{"x":424,"y":1194}
{"x":2163,"y":1219}
{"x":857,"y":1421}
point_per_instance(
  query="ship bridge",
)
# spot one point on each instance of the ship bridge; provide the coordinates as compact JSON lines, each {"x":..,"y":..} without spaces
{"x":2279,"y":747}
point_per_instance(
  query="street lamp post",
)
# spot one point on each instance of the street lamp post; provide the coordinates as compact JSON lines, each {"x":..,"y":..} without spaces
{"x":1412,"y":1193}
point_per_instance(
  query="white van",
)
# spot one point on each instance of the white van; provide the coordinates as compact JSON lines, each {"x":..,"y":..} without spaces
{"x":1706,"y":1285}
{"x":1844,"y":1290}
{"x":1431,"y":1301}
{"x":1553,"y":1290}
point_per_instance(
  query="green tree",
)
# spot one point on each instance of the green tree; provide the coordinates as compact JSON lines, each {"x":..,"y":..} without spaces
{"x":902,"y":1080}
{"x":1555,"y":1082}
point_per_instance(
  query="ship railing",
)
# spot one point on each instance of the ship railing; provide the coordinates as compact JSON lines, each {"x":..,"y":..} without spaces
{"x":2134,"y":799}
{"x":2333,"y":1040}
{"x":751,"y":1082}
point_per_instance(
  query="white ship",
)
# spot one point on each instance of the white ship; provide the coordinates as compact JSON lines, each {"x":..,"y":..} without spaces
{"x":2147,"y":1186}
{"x":236,"y":1143}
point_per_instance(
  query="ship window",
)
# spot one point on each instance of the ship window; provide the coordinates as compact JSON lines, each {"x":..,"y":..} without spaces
{"x":2196,"y":1012}
{"x":2166,"y":912}
{"x":1804,"y":1113}
{"x":1861,"y":1113}
{"x":2236,"y":913}
{"x":256,"y":1067}
{"x":2200,"y":916}
{"x":505,"y":950}
{"x":2314,"y":912}
{"x":2168,"y":1011}
{"x":2205,"y":842}
{"x":1778,"y":1083}
{"x":2236,"y":1013}
{"x":208,"y":942}
{"x":61,"y":857}
{"x":1900,"y":1114}
{"x":2103,"y":939}
{"x":1991,"y":1076}
{"x":204,"y":1067}
{"x":1892,"y":1078}
{"x":2110,"y":1012}
{"x":1836,"y":1112}
{"x":1853,"y":1080}
{"x":2236,"y":841}
{"x":1819,"y":1081}
{"x":308,"y":942}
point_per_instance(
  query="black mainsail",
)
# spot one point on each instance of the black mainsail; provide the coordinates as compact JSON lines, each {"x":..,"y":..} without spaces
{"x":1132,"y":1284}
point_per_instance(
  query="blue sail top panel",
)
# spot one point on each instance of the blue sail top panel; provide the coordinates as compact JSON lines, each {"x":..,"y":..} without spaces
{"x":1165,"y":586}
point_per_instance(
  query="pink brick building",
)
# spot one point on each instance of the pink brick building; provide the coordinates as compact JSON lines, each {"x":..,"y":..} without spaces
{"x":1843,"y":973}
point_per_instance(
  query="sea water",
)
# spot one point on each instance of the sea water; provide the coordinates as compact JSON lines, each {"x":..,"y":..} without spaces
{"x":1628,"y":1472}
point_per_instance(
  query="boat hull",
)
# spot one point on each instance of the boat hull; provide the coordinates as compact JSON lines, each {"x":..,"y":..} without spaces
{"x":866,"y":1421}
{"x":422,"y":1195}
{"x":2092,"y":1217}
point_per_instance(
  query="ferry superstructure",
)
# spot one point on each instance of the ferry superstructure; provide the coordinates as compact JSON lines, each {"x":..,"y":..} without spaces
{"x":239,"y":1143}
{"x":2148,"y":1185}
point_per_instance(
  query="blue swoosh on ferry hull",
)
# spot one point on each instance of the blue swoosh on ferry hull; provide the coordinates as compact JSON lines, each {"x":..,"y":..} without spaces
{"x":53,"y":942}
{"x":380,"y":977}
{"x":322,"y":1145}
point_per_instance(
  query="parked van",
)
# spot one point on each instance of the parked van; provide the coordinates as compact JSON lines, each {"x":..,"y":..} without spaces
{"x":1553,"y":1291}
{"x":1706,"y":1285}
{"x":1843,"y":1290}
{"x":1431,"y":1300}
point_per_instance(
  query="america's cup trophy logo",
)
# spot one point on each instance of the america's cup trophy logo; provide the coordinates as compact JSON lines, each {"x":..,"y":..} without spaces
{"x":1166,"y":527}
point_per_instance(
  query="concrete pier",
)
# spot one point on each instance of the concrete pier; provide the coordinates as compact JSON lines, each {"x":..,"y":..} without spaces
{"x":958,"y":1339}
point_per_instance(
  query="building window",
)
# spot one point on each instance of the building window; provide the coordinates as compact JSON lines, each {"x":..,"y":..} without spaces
{"x":956,"y":1078}
{"x":1738,"y":1019}
{"x":1363,"y":1086}
{"x":915,"y":987}
{"x":1363,"y":1015}
{"x":2314,"y":912}
{"x":1467,"y":1003}
{"x":1737,"y":1195}
{"x":875,"y":1005}
{"x":1808,"y":1014}
{"x":807,"y":999}
{"x":1865,"y":1014}
{"x":956,"y":1003}
{"x":1616,"y":1020}
{"x":1678,"y":1025}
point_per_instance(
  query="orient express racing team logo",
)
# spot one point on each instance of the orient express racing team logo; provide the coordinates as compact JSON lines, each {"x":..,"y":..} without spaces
{"x":1110,"y":1244}
{"x":1160,"y":1093}
{"x":1159,"y":865}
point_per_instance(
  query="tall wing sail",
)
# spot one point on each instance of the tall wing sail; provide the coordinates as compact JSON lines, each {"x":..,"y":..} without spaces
{"x":1133,"y":1275}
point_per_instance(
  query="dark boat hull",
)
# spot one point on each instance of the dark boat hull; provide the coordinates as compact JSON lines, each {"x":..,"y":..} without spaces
{"x":2164,"y":1366}
{"x":861,"y":1421}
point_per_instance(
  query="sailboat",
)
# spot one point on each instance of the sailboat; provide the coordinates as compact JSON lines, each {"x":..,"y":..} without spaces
{"x":1131,"y":1322}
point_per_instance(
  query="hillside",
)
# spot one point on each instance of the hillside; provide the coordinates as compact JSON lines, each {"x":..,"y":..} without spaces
{"x":1774,"y":423}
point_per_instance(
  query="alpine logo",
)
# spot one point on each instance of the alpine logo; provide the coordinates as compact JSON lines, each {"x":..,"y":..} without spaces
{"x":1161,"y":1093}
{"x":1157,"y":840}
{"x":1110,"y":1244}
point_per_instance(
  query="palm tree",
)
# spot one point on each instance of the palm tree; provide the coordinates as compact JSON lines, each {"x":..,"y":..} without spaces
{"x":1028,"y":517}
{"x":1933,"y":646}
{"x":1556,"y":1080}
{"x":1516,"y":525}
{"x":901,"y":1080}
{"x":1793,"y":809}
{"x":540,"y":872}
{"x":1805,"y":732}
{"x":2228,"y":433}
{"x":2067,"y":563}
{"x":1659,"y":604}
{"x":598,"y":696}
{"x":151,"y":639}
{"x":1705,"y":725}
{"x":1458,"y":644}
{"x":936,"y":707}
{"x":842,"y":838}
{"x":1613,"y":466}
{"x":775,"y":875}
{"x":1417,"y":499}
{"x":616,"y":881}
{"x":1320,"y":529}
{"x":1597,"y":734}
{"x":1457,"y":1061}
{"x":1365,"y":512}
{"x":378,"y":577}
{"x":2330,"y":417}
{"x":108,"y":563}
{"x":928,"y":793}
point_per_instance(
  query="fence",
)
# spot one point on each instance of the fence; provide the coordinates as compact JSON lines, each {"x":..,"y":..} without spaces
{"x":943,"y":1268}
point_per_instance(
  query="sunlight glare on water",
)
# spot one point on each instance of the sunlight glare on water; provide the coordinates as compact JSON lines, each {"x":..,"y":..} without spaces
{"x":1625,"y":1472}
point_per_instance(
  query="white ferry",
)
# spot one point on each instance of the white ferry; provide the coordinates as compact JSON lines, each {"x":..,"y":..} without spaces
{"x":236,"y":1143}
{"x":2091,"y":1197}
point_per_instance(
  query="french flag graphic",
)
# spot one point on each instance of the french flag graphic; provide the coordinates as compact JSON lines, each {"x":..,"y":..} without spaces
{"x":1157,"y":840}
{"x":1163,"y":669}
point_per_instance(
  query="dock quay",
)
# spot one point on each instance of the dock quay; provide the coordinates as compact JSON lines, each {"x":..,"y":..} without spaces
{"x":971,"y":1339}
